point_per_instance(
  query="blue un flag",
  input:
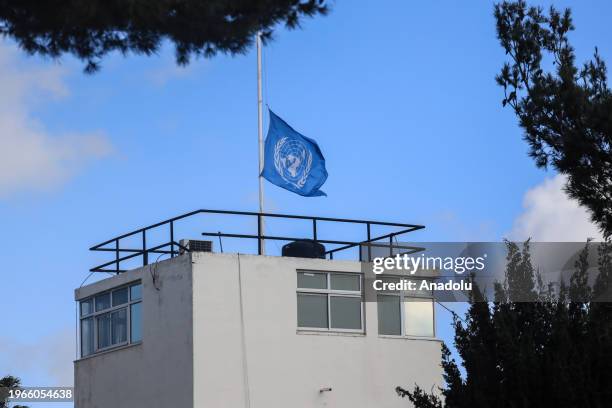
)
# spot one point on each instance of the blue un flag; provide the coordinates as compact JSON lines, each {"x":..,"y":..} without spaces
{"x":293,"y":161}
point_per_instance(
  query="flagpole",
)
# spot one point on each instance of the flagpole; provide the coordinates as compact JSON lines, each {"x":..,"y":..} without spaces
{"x":261,"y":144}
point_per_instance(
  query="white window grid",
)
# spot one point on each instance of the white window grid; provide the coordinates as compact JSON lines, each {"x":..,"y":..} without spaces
{"x":401,"y":294}
{"x":94,"y":315}
{"x":331,"y":293}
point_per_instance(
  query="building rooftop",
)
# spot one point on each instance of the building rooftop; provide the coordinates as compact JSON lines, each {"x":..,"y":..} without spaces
{"x":137,"y":247}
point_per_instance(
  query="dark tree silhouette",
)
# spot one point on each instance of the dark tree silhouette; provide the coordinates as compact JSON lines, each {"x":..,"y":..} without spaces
{"x":565,"y":111}
{"x":6,"y":383}
{"x":91,"y":29}
{"x":551,"y":352}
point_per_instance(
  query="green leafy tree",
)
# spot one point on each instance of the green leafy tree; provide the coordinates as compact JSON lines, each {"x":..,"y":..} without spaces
{"x":93,"y":28}
{"x":565,"y":110}
{"x":7,"y":383}
{"x":554,"y":351}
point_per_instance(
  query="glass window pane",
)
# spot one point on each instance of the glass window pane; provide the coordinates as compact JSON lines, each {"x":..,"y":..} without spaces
{"x":104,"y":332}
{"x":120,"y":296}
{"x":103,"y":301}
{"x":389,"y":315}
{"x":86,"y":307}
{"x":312,"y":280}
{"x":136,"y":322}
{"x":418,"y":315}
{"x":136,"y":292}
{"x":312,"y":310}
{"x":119,"y":326}
{"x":344,"y":281}
{"x":345,"y":312}
{"x":87,"y":337}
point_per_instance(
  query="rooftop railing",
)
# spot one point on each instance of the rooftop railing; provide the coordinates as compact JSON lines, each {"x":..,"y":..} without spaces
{"x":122,"y":251}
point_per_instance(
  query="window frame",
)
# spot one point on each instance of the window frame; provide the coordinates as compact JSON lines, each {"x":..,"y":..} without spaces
{"x":333,"y":293}
{"x":95,"y":314}
{"x":401,"y":294}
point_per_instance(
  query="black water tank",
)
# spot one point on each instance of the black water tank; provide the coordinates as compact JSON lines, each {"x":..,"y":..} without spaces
{"x":306,"y":248}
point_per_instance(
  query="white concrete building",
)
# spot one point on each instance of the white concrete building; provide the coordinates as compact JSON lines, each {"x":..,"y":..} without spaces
{"x":205,"y":329}
{"x":228,"y":330}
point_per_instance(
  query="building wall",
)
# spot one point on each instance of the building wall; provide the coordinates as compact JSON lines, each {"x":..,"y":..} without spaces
{"x":267,"y":362}
{"x":159,"y":371}
{"x":221,"y":331}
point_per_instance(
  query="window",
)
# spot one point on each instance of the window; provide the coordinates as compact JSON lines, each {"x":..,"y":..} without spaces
{"x":312,"y":310}
{"x":104,"y":329}
{"x":86,"y":307}
{"x":87,"y":338}
{"x":389,"y":315}
{"x":329,"y":301}
{"x":402,"y":315}
{"x":136,"y":318}
{"x":418,"y":317}
{"x":120,"y":296}
{"x":107,"y":326}
{"x":136,"y":292}
{"x":102,"y":301}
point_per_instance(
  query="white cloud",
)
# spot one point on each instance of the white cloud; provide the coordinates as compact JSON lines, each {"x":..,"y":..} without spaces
{"x":30,"y":157}
{"x":49,"y":357}
{"x":550,"y":215}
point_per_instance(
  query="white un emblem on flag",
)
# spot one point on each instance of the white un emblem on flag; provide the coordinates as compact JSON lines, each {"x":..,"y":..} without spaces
{"x":292,"y":161}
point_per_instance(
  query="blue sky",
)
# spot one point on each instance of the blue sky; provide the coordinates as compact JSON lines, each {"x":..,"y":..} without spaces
{"x":400,"y":96}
